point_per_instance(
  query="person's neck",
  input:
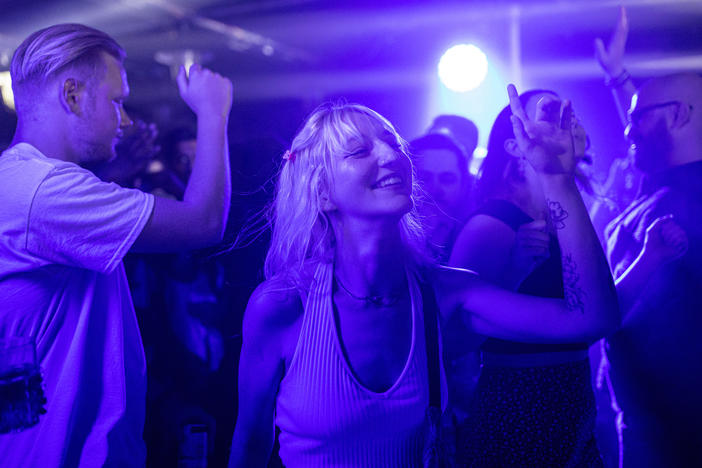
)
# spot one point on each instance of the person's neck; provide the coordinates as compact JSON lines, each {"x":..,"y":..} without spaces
{"x":49,"y":141}
{"x":369,"y":259}
{"x":684,"y":153}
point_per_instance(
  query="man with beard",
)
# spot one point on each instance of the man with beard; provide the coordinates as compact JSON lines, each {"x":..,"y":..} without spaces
{"x":656,"y":357}
{"x":64,"y":232}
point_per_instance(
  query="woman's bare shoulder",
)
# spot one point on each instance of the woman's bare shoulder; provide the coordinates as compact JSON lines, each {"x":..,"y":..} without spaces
{"x":274,"y":305}
{"x":481,"y":234}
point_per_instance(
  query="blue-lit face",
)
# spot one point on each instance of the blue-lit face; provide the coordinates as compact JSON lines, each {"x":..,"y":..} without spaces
{"x":441,"y":178}
{"x":104,"y":115}
{"x":371,"y":177}
{"x":648,"y":133}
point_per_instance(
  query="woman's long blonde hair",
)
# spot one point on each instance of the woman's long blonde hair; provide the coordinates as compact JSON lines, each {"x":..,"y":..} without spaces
{"x":302,"y":233}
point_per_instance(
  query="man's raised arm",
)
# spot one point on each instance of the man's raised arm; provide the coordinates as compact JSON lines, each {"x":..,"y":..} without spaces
{"x":199,"y":220}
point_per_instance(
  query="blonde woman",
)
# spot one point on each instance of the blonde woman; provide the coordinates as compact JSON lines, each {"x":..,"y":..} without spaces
{"x":334,"y":351}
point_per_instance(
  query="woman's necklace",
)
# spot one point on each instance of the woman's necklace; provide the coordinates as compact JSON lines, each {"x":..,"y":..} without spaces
{"x":385,"y":300}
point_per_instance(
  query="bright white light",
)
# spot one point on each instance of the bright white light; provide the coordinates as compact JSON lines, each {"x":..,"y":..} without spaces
{"x":6,"y":89}
{"x":463,"y":67}
{"x":267,"y":50}
{"x":188,"y":60}
{"x":478,"y":157}
{"x":479,"y":152}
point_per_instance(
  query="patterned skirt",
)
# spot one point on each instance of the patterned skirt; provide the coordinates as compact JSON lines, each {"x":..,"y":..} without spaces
{"x":531,"y":417}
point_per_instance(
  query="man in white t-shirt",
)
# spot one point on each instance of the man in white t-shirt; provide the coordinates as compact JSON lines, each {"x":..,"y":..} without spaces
{"x":63,"y":234}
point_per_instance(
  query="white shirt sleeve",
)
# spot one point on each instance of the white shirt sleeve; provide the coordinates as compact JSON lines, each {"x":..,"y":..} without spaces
{"x":78,"y":220}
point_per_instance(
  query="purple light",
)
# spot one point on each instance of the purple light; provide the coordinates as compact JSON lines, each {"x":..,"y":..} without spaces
{"x":463,"y":67}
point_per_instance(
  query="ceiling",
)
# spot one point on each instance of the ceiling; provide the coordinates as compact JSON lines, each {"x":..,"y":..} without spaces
{"x":309,"y":48}
{"x":383,"y":52}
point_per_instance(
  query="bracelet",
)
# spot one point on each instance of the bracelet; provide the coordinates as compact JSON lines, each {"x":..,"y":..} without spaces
{"x":617,"y":81}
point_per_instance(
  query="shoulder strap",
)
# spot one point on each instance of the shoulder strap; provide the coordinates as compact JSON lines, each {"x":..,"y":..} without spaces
{"x":431,"y":341}
{"x":507,"y":212}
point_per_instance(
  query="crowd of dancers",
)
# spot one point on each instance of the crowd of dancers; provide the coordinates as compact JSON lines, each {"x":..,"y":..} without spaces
{"x":411,"y":313}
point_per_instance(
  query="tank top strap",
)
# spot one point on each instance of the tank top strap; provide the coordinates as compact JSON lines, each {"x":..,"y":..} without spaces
{"x":320,"y":287}
{"x":314,"y":301}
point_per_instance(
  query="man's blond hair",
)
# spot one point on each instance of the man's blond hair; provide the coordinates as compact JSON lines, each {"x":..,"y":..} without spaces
{"x":45,"y":54}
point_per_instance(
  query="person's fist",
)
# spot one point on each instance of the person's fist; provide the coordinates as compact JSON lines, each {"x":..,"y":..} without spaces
{"x":665,"y":240}
{"x":204,"y":91}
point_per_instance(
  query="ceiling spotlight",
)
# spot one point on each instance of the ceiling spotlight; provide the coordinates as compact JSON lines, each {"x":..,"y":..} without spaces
{"x":176,"y":58}
{"x":267,"y":50}
{"x":463,"y":67}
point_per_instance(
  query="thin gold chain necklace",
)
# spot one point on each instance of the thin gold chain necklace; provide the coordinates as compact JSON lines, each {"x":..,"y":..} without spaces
{"x":385,"y":300}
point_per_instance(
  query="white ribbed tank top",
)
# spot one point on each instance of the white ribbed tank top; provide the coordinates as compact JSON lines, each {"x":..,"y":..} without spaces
{"x":329,"y":419}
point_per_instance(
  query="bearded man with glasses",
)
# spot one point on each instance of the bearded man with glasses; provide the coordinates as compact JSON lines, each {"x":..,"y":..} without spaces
{"x":656,"y":357}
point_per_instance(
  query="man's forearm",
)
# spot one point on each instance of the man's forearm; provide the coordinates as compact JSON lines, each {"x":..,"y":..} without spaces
{"x":209,"y":187}
{"x":622,"y":99}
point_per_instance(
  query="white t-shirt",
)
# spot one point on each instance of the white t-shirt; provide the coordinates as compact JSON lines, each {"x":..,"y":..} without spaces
{"x":63,"y":233}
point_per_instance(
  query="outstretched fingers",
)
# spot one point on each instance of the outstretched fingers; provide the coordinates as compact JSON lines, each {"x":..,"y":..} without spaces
{"x":515,"y":104}
{"x":610,"y":57}
{"x":182,"y":80}
{"x":523,"y":141}
{"x":518,"y":118}
{"x":618,"y":41}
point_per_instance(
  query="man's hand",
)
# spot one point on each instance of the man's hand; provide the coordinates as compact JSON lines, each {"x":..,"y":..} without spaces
{"x":546,"y":140}
{"x":134,"y":151}
{"x":205,"y":92}
{"x":138,"y":143}
{"x":665,"y":240}
{"x":611,"y":58}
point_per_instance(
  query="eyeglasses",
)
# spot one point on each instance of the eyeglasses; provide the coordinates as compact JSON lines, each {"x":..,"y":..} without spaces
{"x":636,"y":115}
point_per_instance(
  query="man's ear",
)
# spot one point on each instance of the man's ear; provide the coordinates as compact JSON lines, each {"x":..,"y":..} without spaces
{"x":512,"y":148}
{"x":72,"y":96}
{"x":514,"y":170}
{"x":682,"y":115}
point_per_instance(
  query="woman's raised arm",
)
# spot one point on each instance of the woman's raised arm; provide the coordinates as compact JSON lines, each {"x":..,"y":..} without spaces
{"x":589,"y":310}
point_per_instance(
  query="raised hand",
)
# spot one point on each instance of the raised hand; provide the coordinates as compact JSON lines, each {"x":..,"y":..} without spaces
{"x":138,"y":143}
{"x":546,"y":140}
{"x":611,"y":57}
{"x":205,"y":92}
{"x":665,"y":240}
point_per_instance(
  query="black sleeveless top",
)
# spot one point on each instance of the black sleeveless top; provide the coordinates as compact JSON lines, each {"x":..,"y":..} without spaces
{"x":545,"y":281}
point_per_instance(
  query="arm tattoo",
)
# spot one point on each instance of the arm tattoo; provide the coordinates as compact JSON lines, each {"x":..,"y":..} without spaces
{"x":572,"y":292}
{"x":556,"y":214}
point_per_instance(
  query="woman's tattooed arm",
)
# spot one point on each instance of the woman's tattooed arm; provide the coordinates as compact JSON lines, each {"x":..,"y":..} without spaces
{"x":556,"y":215}
{"x":574,"y":294}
